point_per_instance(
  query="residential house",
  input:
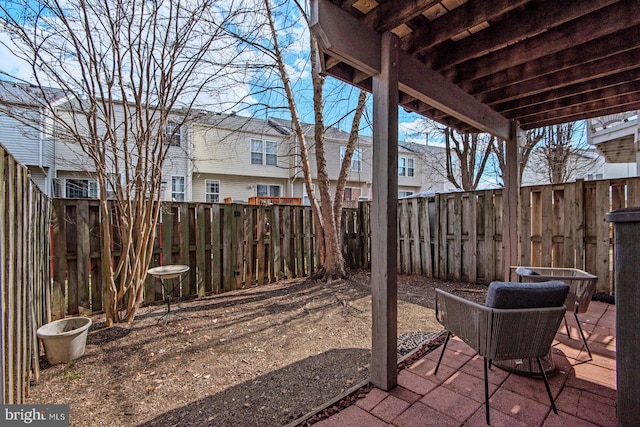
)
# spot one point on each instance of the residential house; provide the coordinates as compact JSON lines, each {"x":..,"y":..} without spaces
{"x":212,"y":157}
{"x":22,"y":121}
{"x":238,"y":158}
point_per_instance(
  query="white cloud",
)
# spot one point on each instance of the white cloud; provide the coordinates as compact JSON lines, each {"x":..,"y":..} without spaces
{"x":10,"y":65}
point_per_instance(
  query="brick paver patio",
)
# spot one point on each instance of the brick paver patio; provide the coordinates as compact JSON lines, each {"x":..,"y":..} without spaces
{"x":585,"y":392}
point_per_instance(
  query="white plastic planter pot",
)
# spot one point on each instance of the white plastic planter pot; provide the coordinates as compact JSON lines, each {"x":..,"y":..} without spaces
{"x":64,"y":339}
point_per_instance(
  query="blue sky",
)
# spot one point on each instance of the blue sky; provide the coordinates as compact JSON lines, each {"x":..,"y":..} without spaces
{"x":340,"y":98}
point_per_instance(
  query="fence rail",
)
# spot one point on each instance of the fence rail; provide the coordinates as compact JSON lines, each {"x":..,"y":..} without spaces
{"x":24,"y":274}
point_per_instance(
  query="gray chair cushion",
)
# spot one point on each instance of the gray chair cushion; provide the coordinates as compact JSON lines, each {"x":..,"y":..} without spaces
{"x":526,"y":295}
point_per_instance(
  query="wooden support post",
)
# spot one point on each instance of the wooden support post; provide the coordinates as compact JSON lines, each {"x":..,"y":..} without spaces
{"x":384,"y":218}
{"x":511,"y":199}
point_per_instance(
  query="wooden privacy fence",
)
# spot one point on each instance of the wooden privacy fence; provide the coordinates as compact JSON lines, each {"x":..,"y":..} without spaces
{"x":454,"y":236}
{"x":227,"y":246}
{"x":559,"y":226}
{"x":24,"y":274}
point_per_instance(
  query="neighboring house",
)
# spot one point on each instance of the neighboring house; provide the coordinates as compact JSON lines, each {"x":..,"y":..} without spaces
{"x":213,"y":157}
{"x":617,"y":138}
{"x":239,"y":157}
{"x":22,"y":132}
{"x":430,"y":169}
{"x":75,"y":171}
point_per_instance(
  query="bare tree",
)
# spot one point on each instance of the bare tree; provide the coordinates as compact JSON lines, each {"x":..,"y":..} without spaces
{"x":472,"y":151}
{"x":122,"y":68}
{"x":326,"y":208}
{"x":561,"y":154}
{"x":527,"y":146}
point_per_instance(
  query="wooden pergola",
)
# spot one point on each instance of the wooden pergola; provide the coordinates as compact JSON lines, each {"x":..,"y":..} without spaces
{"x":496,"y":66}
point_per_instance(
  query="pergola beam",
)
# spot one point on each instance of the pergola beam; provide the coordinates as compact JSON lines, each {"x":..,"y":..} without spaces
{"x":354,"y":43}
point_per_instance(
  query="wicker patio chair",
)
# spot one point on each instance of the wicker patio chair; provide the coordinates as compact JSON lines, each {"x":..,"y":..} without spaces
{"x":582,"y":285}
{"x":523,"y":327}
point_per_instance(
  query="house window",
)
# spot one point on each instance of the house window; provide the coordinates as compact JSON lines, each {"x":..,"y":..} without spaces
{"x":264,"y":152}
{"x":81,"y":189}
{"x":356,"y":159}
{"x":177,"y":188}
{"x":212,"y":191}
{"x":263,"y":190}
{"x":351,"y":193}
{"x":405,"y":167}
{"x":174,"y":134}
{"x":402,"y":194}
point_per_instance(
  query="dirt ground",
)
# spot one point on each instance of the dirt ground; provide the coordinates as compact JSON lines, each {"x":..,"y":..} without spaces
{"x":262,"y":356}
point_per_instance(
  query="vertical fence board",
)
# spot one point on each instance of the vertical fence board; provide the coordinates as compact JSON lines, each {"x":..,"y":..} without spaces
{"x":497,"y":212}
{"x":269,"y":245}
{"x":425,"y":238}
{"x":287,"y":250}
{"x":557,"y":227}
{"x":590,"y":224}
{"x":525,"y":226}
{"x":15,"y":282}
{"x":441,"y":209}
{"x":308,"y":244}
{"x":579,"y":225}
{"x":276,"y":244}
{"x":95,"y":261}
{"x":237,"y":244}
{"x":472,"y":233}
{"x":185,"y":255}
{"x":546,"y":201}
{"x":603,"y":241}
{"x":455,"y":221}
{"x":216,"y":250}
{"x":416,"y":264}
{"x":261,"y":223}
{"x":10,"y":284}
{"x":568,"y":249}
{"x":60,"y":260}
{"x":201,"y":246}
{"x":82,"y":281}
{"x":298,"y":227}
{"x":227,"y":247}
{"x":404,"y":260}
{"x":250,"y":244}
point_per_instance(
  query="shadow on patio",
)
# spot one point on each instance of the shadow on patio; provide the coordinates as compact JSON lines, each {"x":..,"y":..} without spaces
{"x":585,"y":392}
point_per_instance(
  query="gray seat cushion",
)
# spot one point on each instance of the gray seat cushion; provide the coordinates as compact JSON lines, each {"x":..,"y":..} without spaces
{"x":526,"y":295}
